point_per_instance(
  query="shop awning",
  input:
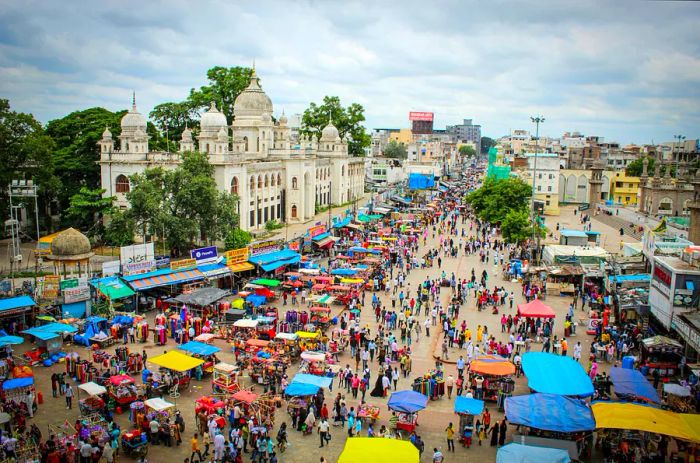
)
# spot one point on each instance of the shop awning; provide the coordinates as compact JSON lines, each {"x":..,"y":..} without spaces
{"x":633,"y":384}
{"x":174,"y":360}
{"x":17,"y":383}
{"x":241,"y":267}
{"x":19,"y":302}
{"x":367,"y":450}
{"x":267,"y":282}
{"x":199,"y":348}
{"x":215,"y":270}
{"x":549,"y":412}
{"x":629,"y":416}
{"x":202,"y":297}
{"x":326,"y":242}
{"x":50,"y":331}
{"x":321,"y":236}
{"x":556,"y":374}
{"x":113,"y":288}
{"x":165,"y":279}
{"x":342,"y":223}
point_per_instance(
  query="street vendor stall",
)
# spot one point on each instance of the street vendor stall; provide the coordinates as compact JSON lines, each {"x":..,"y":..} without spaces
{"x":556,"y":374}
{"x":202,"y":351}
{"x":535,"y":309}
{"x":467,"y":408}
{"x":632,"y":385}
{"x":678,"y":398}
{"x":308,"y":340}
{"x":159,"y":410}
{"x":497,"y":373}
{"x":14,"y":394}
{"x":407,"y":404}
{"x":368,"y":412}
{"x":175,"y":369}
{"x":93,"y":401}
{"x":288,"y":343}
{"x":320,"y":316}
{"x":225,"y":378}
{"x":368,"y":450}
{"x":314,"y":362}
{"x":662,"y":354}
{"x":122,"y":391}
{"x":430,"y":384}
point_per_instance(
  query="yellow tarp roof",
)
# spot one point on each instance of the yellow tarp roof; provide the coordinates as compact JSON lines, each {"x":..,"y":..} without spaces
{"x":371,"y":450}
{"x":306,"y":334}
{"x":176,"y":361}
{"x":642,"y":418}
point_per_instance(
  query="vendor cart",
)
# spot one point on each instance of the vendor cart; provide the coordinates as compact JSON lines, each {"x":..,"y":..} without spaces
{"x":134,"y":444}
{"x":202,"y":351}
{"x":93,"y":398}
{"x":225,"y":379}
{"x":159,"y":410}
{"x":467,"y":409}
{"x":122,"y":391}
{"x":320,"y":316}
{"x":407,"y":404}
{"x":368,"y":412}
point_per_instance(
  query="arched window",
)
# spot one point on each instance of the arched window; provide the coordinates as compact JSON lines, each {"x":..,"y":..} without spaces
{"x":279,"y":180}
{"x":245,"y":139}
{"x":267,"y":180}
{"x":295,"y":184}
{"x":252,"y":183}
{"x":342,"y":171}
{"x":272,"y":180}
{"x":260,"y":184}
{"x":122,"y":184}
{"x":294,"y":211}
{"x":234,"y":186}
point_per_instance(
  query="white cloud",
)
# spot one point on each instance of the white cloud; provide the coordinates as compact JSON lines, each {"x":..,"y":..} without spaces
{"x":626,"y":70}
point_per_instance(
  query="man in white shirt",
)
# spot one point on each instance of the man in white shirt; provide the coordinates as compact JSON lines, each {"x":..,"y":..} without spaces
{"x":323,"y":429}
{"x":426,"y":323}
{"x":219,"y":446}
{"x":437,"y":456}
{"x":577,"y":351}
{"x":85,"y":452}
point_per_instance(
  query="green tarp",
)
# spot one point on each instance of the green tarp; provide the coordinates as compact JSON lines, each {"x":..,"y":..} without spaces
{"x":115,"y":289}
{"x":267,"y":282}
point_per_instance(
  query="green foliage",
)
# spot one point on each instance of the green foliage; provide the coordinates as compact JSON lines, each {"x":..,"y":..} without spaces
{"x":635,"y":168}
{"x":467,"y":151}
{"x":25,"y":153}
{"x":496,"y":198}
{"x":515,"y":227}
{"x":272,"y":225}
{"x":183,"y":205}
{"x":395,"y":150}
{"x":237,"y":238}
{"x":486,"y":143}
{"x":346,"y":120}
{"x":87,"y":207}
{"x":76,"y":153}
{"x":119,"y":230}
{"x":225,"y":84}
{"x":172,"y":118}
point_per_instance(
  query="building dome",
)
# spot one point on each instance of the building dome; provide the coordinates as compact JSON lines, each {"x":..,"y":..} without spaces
{"x":222,"y":135}
{"x":213,"y":119}
{"x":106,"y":135}
{"x":252,"y":101}
{"x":283,"y":119}
{"x":133,"y":119}
{"x":140,"y":134}
{"x":70,"y":244}
{"x":186,"y":134}
{"x":330,"y":133}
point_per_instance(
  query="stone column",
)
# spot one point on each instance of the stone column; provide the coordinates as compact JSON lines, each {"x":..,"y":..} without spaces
{"x":596,"y":183}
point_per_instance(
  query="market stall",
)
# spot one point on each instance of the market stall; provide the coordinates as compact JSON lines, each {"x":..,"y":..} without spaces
{"x":467,"y":408}
{"x":569,"y":379}
{"x":407,"y":404}
{"x":631,"y":385}
{"x":496,"y":373}
{"x":431,"y":384}
{"x":225,"y":378}
{"x":678,"y":398}
{"x":93,"y":400}
{"x":159,"y":410}
{"x":660,"y":353}
{"x":308,"y":340}
{"x":535,"y":309}
{"x":174,"y":372}
{"x":367,"y":450}
{"x":314,"y":362}
{"x":368,"y":412}
{"x":205,"y":352}
{"x":122,"y":391}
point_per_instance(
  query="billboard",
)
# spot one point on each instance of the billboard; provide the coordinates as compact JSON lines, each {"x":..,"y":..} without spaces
{"x":207,"y":253}
{"x":137,"y":253}
{"x":236,"y":256}
{"x":264,"y":247}
{"x":420,"y":116}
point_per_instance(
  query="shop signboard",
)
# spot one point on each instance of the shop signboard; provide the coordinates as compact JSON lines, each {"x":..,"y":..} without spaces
{"x":687,"y":332}
{"x":135,"y":268}
{"x":317,"y":230}
{"x":264,"y":247}
{"x":162,"y":262}
{"x":110,"y":268}
{"x":77,"y":294}
{"x":69,"y":283}
{"x":51,"y":286}
{"x":208,"y":253}
{"x":236,"y":256}
{"x":137,"y":253}
{"x":183,"y":263}
{"x":307,"y":244}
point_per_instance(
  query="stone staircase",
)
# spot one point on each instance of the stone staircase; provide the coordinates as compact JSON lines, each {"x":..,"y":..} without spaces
{"x":617,"y":223}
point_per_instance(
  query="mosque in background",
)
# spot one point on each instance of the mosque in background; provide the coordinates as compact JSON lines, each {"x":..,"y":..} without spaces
{"x":275,"y":177}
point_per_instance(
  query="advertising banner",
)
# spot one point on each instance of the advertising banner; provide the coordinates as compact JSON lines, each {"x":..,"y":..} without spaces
{"x":420,"y":116}
{"x":162,"y":262}
{"x":110,"y":268}
{"x":81,"y":293}
{"x":184,"y":263}
{"x":135,"y":268}
{"x":207,"y":253}
{"x":264,"y":247}
{"x":51,"y":286}
{"x":236,"y":256}
{"x":137,"y":253}
{"x":318,"y":230}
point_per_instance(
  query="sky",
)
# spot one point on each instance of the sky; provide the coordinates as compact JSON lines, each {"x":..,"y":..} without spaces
{"x":625,"y":70}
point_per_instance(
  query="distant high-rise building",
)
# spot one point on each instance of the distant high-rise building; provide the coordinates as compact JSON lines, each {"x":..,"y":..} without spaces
{"x":466,"y":132}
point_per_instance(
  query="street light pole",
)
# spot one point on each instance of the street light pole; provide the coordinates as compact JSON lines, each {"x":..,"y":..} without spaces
{"x":537,"y":120}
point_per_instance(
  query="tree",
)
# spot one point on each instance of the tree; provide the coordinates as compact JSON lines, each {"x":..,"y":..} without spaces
{"x":467,"y":151}
{"x":25,"y":153}
{"x":76,"y":151}
{"x":395,"y":150}
{"x":515,"y":227}
{"x":87,"y":207}
{"x":497,"y":197}
{"x":120,"y":229}
{"x":237,"y":238}
{"x":225,"y":84}
{"x":486,"y":143}
{"x":346,"y":120}
{"x":172,"y":118}
{"x":636,"y":167}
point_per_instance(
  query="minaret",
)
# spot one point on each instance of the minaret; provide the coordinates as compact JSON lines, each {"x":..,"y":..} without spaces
{"x":596,"y":183}
{"x":643,"y":183}
{"x":106,"y":143}
{"x":694,"y":207}
{"x":186,"y":142}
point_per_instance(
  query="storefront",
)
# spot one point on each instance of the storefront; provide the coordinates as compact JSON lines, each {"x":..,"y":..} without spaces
{"x":17,"y":311}
{"x":674,"y":288}
{"x":271,"y":258}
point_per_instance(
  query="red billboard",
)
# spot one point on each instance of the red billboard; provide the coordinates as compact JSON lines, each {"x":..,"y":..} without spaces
{"x":420,"y":116}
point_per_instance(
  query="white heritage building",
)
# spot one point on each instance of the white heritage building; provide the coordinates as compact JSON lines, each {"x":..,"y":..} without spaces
{"x":255,"y":158}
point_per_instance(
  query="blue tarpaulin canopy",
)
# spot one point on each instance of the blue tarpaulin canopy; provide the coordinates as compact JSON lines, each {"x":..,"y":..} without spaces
{"x":407,"y":401}
{"x":284,"y":256}
{"x":319,"y":381}
{"x":468,"y":406}
{"x":632,"y":383}
{"x":343,"y":271}
{"x":18,"y":302}
{"x":641,"y":277}
{"x":17,"y":383}
{"x":519,"y":453}
{"x":50,"y":331}
{"x":549,"y":412}
{"x":321,"y":236}
{"x":256,"y":299}
{"x":10,"y":340}
{"x":199,"y":348}
{"x":300,"y":389}
{"x":420,"y":181}
{"x":342,"y":223}
{"x":556,"y":374}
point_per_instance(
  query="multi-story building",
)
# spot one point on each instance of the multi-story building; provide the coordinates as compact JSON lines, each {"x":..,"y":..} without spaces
{"x":575,"y":187}
{"x":380,"y":138}
{"x":546,"y":184}
{"x":382,"y":172}
{"x":625,"y":189}
{"x":466,"y":132}
{"x":401,"y":136}
{"x":254,"y":158}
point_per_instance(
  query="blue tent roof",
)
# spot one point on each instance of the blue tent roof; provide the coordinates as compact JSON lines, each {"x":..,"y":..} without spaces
{"x":549,"y":412}
{"x":256,"y":299}
{"x":519,"y":453}
{"x":16,"y":303}
{"x":343,"y":271}
{"x":42,"y":335}
{"x":297,"y":389}
{"x":17,"y":383}
{"x":632,"y":383}
{"x":635,"y":277}
{"x":407,"y":401}
{"x":556,"y":374}
{"x":314,"y":380}
{"x":342,"y":223}
{"x":468,"y":406}
{"x":9,"y":340}
{"x":277,"y":264}
{"x":199,"y":348}
{"x":573,"y":233}
{"x":274,"y":256}
{"x":321,"y":236}
{"x":204,"y":268}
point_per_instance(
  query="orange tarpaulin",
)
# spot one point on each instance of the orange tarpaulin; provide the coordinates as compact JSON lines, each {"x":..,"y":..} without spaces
{"x":492,"y":365}
{"x":257,"y":342}
{"x":245,"y":396}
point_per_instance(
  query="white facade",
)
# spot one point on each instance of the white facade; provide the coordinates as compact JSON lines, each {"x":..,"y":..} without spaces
{"x":255,"y":158}
{"x":547,"y":174}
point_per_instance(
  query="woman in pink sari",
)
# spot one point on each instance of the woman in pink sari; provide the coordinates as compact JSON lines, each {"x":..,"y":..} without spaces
{"x":594,"y":370}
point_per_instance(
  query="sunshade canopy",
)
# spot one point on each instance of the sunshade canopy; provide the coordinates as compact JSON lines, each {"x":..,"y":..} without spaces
{"x":492,"y":365}
{"x":202,"y":297}
{"x":519,"y":453}
{"x":676,"y":389}
{"x":632,"y":383}
{"x":113,"y":288}
{"x":407,"y":401}
{"x":468,"y":406}
{"x":629,"y":416}
{"x":18,"y":302}
{"x":549,"y":412}
{"x":158,"y":404}
{"x":199,"y":348}
{"x":287,"y":336}
{"x":306,"y":334}
{"x":313,"y":356}
{"x":556,"y":374}
{"x":10,"y":340}
{"x":267,"y":282}
{"x":205,"y":337}
{"x":370,"y":450}
{"x":320,"y":381}
{"x":91,"y":388}
{"x":245,"y":396}
{"x":245,"y":323}
{"x":301,"y":389}
{"x":257,"y":343}
{"x":536,"y":309}
{"x":17,"y":383}
{"x":174,"y":360}
{"x":120,"y":379}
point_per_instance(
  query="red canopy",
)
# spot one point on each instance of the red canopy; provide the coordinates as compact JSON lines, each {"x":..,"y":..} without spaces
{"x":245,"y":396}
{"x":535,"y":309}
{"x":121,"y":379}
